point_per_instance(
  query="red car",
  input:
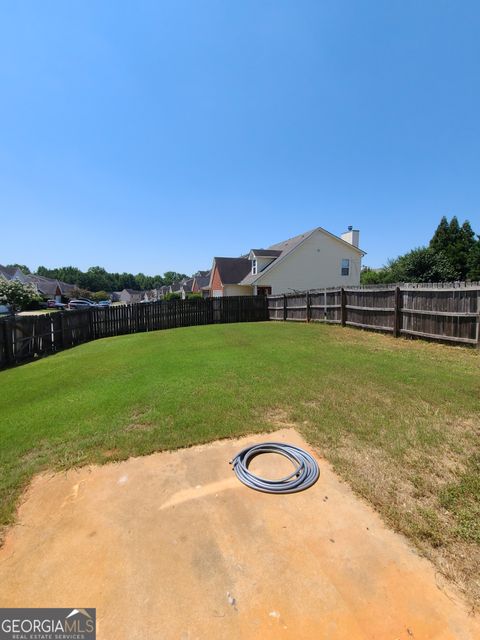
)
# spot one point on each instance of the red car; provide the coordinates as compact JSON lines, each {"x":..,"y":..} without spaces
{"x":53,"y":304}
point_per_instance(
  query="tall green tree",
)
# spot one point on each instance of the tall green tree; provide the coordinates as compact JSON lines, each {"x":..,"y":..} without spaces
{"x":170,"y":277}
{"x":466,"y":246}
{"x":474,"y":262}
{"x":441,"y":238}
{"x":99,"y":279}
{"x":421,"y":265}
{"x":455,"y":243}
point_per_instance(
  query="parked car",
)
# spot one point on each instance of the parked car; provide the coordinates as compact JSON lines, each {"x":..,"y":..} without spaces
{"x":54,"y":304}
{"x":104,"y":303}
{"x":81,"y":303}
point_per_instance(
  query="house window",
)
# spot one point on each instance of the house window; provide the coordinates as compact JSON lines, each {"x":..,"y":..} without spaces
{"x":345,"y":267}
{"x":254,"y":267}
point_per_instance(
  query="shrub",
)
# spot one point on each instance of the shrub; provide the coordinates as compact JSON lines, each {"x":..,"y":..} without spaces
{"x":100,"y":295}
{"x":17,"y":295}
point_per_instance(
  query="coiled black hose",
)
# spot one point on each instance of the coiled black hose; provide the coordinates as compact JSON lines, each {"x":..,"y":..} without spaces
{"x":306,"y":471}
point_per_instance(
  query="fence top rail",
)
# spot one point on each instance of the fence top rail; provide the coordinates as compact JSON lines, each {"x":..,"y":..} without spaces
{"x":446,"y":289}
{"x":424,"y":287}
{"x":420,"y":285}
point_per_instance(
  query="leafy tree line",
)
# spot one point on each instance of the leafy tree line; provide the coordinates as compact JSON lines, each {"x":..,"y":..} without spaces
{"x":98,"y":279}
{"x":452,"y":254}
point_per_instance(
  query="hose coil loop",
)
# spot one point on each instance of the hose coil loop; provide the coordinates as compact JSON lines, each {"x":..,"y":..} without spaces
{"x":305,"y":474}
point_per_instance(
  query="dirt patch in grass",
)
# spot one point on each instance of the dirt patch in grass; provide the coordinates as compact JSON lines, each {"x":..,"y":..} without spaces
{"x":111,"y":454}
{"x":279,"y":418}
{"x":428,"y":490}
{"x":140,"y":421}
{"x":432,"y":496}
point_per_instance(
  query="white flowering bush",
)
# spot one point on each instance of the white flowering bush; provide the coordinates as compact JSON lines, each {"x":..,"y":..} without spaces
{"x":17,"y":295}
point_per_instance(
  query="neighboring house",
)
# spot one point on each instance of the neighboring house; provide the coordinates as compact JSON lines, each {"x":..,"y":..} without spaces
{"x":160,"y":292}
{"x":12,"y":273}
{"x":311,"y":260}
{"x":51,"y":289}
{"x":151,"y":295}
{"x":226,"y":276}
{"x":176,"y":287}
{"x":201,"y":281}
{"x":130,"y":296}
{"x":154,"y":295}
{"x":186,"y":287}
{"x":182,"y":287}
{"x":48,"y":288}
{"x":164,"y":289}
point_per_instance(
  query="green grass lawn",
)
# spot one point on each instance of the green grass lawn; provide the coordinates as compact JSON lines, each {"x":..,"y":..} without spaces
{"x":399,"y":420}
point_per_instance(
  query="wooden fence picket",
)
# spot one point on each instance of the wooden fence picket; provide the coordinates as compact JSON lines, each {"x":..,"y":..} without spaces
{"x":450,"y":314}
{"x":24,"y":338}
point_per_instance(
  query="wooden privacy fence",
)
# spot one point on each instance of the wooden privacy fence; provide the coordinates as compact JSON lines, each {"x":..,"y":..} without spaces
{"x":23,"y":338}
{"x":444,"y":313}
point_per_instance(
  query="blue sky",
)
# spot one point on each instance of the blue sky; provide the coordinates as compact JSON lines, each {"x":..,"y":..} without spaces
{"x":149,"y":136}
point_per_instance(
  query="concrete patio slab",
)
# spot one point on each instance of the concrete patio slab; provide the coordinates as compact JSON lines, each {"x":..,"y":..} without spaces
{"x":172,"y":546}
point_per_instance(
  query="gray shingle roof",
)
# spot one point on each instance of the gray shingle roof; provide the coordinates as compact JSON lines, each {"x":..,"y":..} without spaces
{"x":133,"y":292}
{"x":280,"y":250}
{"x":202,"y":280}
{"x":7,"y":272}
{"x":187,"y":284}
{"x":232,"y":270}
{"x":48,"y":286}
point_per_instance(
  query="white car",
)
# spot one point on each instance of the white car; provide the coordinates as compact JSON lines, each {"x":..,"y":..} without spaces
{"x":81,"y":303}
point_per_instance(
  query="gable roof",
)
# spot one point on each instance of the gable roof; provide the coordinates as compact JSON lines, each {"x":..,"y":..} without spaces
{"x":287,"y":246}
{"x":187,"y":284}
{"x":45,"y":286}
{"x":201,"y":280}
{"x":232,"y":270}
{"x":165,"y":288}
{"x":49,"y":286}
{"x":8,"y":272}
{"x":134,"y":293}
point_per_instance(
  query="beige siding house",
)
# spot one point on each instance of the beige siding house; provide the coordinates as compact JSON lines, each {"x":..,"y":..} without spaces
{"x":312,"y":260}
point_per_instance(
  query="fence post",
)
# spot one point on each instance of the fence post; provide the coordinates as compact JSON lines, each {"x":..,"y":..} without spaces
{"x":62,"y":329}
{"x":9,"y":357}
{"x":90,"y":323}
{"x":284,"y":307}
{"x":478,"y":321}
{"x":397,"y":313}
{"x":343,"y":306}
{"x":307,"y":299}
